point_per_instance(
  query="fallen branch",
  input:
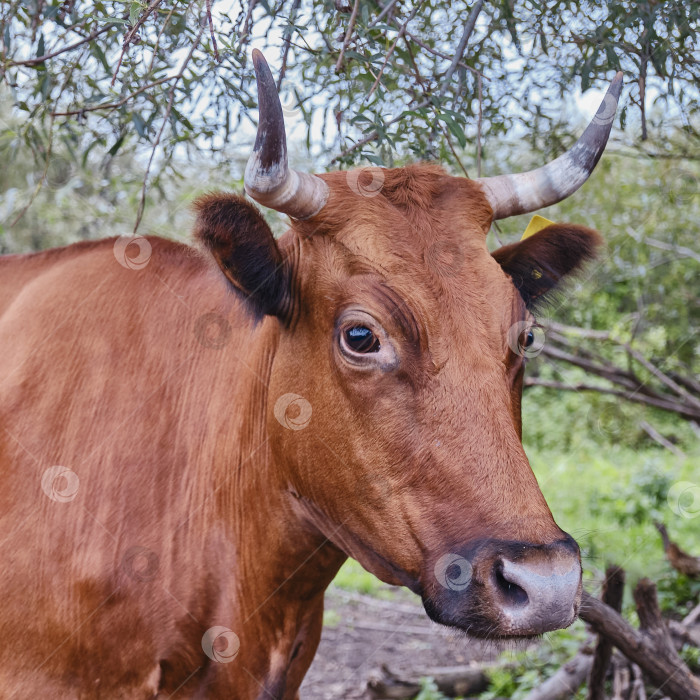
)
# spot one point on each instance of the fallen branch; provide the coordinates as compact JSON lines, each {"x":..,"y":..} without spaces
{"x":681,"y":561}
{"x":684,"y":634}
{"x":452,"y":681}
{"x":613,"y":589}
{"x":693,"y":616}
{"x":646,"y":647}
{"x":566,"y":681}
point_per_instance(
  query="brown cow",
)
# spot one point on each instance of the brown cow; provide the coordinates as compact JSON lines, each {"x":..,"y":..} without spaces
{"x":190,"y":451}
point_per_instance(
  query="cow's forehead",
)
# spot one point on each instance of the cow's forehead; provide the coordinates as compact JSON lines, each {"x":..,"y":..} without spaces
{"x":406,"y":222}
{"x":417,"y":204}
{"x":422,"y":235}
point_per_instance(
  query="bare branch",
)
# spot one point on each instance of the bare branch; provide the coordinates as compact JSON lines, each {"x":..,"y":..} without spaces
{"x":211,"y":32}
{"x":348,"y":36}
{"x":661,"y":663}
{"x":248,"y":21}
{"x":566,"y":681}
{"x":478,"y":125}
{"x":440,"y":54}
{"x":171,"y":100}
{"x":681,"y":250}
{"x":129,"y":36}
{"x":613,"y":589}
{"x":287,"y":43}
{"x":382,"y":14}
{"x":119,"y":103}
{"x":662,"y":377}
{"x":65,"y":49}
{"x":400,"y":35}
{"x":461,"y":47}
{"x":655,"y":435}
{"x":681,"y":409}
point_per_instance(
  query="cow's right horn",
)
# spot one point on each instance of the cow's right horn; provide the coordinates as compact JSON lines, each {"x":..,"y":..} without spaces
{"x":525,"y":192}
{"x":268,"y":178}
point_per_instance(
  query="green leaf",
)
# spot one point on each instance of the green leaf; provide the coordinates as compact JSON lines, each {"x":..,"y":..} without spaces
{"x":455,"y":128}
{"x":134,"y":12}
{"x":99,"y":53}
{"x":140,"y":124}
{"x":117,"y":145}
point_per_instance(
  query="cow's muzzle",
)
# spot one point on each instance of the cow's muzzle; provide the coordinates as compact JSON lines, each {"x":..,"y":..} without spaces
{"x":505,"y":589}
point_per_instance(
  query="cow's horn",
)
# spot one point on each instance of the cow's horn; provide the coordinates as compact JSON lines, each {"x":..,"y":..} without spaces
{"x":268,"y":178}
{"x":526,"y":192}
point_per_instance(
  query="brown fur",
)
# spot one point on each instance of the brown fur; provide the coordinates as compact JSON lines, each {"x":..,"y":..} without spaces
{"x":242,"y":522}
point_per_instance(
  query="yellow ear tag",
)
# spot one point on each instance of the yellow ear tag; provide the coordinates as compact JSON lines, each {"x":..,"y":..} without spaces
{"x":537,"y":223}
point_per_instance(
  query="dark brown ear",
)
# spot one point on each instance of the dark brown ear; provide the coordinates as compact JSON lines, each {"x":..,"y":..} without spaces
{"x":243,"y":245}
{"x":537,"y":264}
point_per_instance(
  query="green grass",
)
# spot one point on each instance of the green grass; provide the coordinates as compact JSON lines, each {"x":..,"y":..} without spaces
{"x":352,"y":577}
{"x":607,"y":499}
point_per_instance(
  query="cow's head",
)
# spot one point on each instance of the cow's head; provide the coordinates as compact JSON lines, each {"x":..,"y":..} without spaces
{"x":404,"y":338}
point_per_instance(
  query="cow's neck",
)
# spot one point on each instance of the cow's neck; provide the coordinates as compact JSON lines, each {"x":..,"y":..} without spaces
{"x":282,"y":563}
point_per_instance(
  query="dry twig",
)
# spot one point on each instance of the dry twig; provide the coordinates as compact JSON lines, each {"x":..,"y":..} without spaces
{"x":650,"y":647}
{"x":348,"y":36}
{"x":613,"y":589}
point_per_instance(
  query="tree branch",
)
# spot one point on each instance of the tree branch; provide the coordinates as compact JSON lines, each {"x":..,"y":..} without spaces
{"x":661,"y":664}
{"x":613,"y":589}
{"x":402,"y":32}
{"x":65,"y":49}
{"x":348,"y":36}
{"x":666,"y":404}
{"x":171,"y":100}
{"x":119,"y":103}
{"x":461,"y":47}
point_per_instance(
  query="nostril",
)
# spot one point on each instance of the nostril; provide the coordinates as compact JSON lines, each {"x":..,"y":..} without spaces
{"x":513,"y":595}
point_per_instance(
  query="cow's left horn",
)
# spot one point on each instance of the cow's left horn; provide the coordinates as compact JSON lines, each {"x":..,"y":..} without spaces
{"x":268,"y":178}
{"x":509,"y":195}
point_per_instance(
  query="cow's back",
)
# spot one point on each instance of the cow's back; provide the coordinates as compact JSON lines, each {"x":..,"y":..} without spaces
{"x":113,"y":415}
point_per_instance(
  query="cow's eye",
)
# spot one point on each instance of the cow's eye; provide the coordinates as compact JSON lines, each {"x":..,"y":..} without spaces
{"x":528,"y":339}
{"x":361,"y":339}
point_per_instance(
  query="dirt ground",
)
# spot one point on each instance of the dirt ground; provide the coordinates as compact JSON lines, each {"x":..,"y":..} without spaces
{"x":363,"y":632}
